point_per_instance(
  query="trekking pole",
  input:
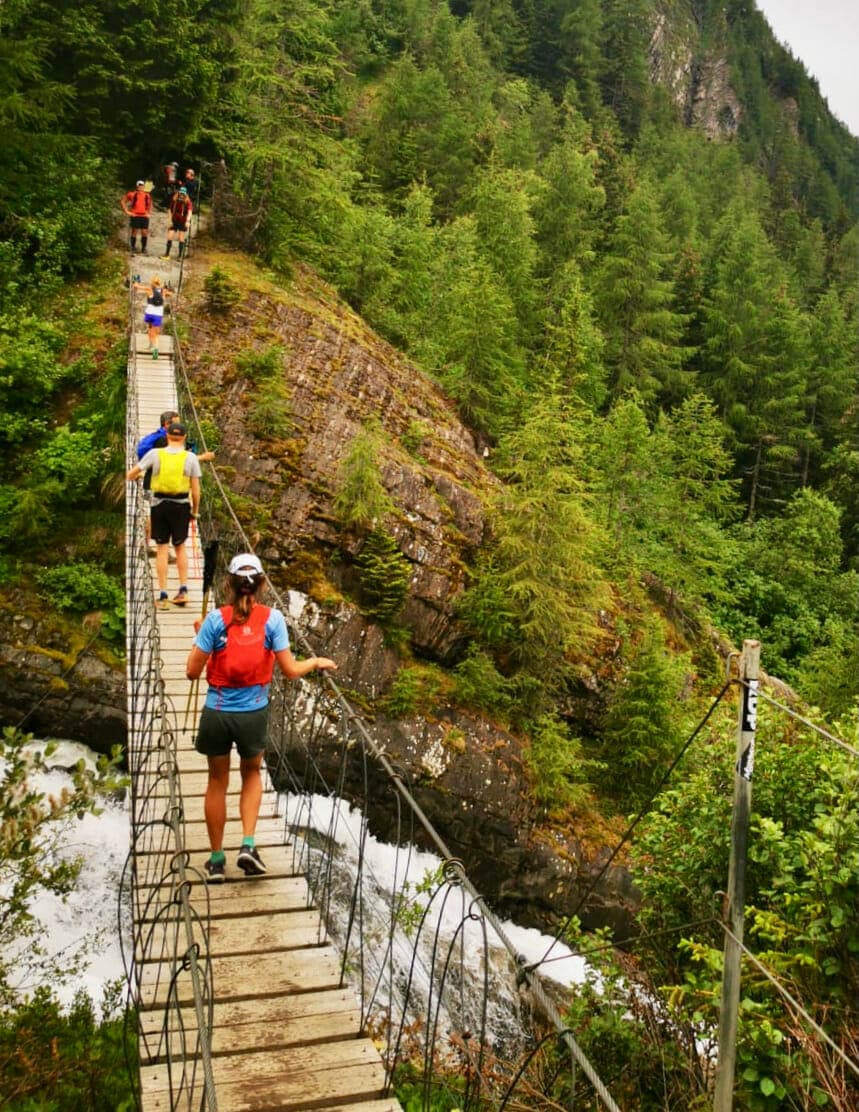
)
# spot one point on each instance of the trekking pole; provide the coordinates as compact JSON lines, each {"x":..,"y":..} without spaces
{"x":210,"y":563}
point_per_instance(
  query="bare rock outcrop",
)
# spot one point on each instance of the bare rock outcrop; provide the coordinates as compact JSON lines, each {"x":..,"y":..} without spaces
{"x":338,"y":375}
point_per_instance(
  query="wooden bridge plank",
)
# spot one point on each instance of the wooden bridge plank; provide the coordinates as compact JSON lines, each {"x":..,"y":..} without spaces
{"x":270,"y":832}
{"x":281,"y":883}
{"x":274,"y":1011}
{"x":269,"y":932}
{"x":285,"y":1080}
{"x":268,"y":1030}
{"x":238,"y":978}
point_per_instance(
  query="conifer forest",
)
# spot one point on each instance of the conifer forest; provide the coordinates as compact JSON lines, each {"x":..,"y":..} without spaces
{"x":621,"y":236}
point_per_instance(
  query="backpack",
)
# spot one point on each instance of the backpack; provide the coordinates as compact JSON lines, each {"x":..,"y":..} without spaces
{"x":157,"y":297}
{"x":179,"y":208}
{"x":171,"y":480}
{"x":151,"y":440}
{"x":244,"y":661}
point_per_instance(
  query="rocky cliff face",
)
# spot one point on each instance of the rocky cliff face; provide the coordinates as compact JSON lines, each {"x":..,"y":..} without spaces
{"x":337,"y":376}
{"x":696,"y":75}
{"x":468,"y":774}
{"x":56,"y":681}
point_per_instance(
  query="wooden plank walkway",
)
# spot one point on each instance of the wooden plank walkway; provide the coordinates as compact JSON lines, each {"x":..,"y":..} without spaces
{"x":286,"y":1031}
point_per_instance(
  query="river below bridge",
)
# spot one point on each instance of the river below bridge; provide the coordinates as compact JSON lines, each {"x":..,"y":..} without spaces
{"x":88,"y":917}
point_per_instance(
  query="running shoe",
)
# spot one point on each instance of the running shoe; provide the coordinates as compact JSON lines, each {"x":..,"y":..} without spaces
{"x":215,"y":872}
{"x":250,"y":862}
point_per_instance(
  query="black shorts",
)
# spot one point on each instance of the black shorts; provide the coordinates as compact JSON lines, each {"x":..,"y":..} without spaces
{"x":140,"y":222}
{"x":170,"y":522}
{"x":219,"y":730}
{"x":178,"y":226}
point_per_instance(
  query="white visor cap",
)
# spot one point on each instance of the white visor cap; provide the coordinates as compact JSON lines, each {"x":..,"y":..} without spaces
{"x":243,"y":562}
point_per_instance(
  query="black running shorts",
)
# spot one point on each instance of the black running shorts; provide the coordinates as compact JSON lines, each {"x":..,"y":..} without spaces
{"x":220,"y":729}
{"x":170,"y":522}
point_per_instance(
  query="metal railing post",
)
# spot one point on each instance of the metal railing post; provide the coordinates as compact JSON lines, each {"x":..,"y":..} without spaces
{"x":735,"y":899}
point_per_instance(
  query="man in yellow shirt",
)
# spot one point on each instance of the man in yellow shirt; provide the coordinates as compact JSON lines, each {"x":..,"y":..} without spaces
{"x":175,"y":489}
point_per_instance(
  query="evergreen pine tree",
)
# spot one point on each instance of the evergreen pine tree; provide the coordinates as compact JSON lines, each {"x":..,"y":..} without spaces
{"x":640,"y":733}
{"x":635,"y":297}
{"x":546,"y":538}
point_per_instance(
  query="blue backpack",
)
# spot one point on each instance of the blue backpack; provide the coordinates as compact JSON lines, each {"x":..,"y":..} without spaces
{"x":150,"y":441}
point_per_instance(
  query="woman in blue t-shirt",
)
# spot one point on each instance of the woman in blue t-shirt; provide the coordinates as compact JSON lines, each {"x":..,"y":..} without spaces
{"x":239,"y":645}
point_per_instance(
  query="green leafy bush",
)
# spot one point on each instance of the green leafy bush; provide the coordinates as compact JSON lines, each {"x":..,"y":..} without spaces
{"x":71,"y":458}
{"x":27,"y":514}
{"x":361,"y":498}
{"x":82,"y":588}
{"x":260,"y":365}
{"x":416,"y":689}
{"x":641,"y":731}
{"x":414,"y":437}
{"x":67,"y":1060}
{"x":480,"y":684}
{"x":270,"y":414}
{"x":556,"y":763}
{"x":222,"y":293}
{"x":385,"y":574}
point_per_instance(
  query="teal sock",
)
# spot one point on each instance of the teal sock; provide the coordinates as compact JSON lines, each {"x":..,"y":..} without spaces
{"x":249,"y":841}
{"x":217,"y":856}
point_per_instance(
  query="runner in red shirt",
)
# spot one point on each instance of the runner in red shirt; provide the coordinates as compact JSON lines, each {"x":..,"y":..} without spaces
{"x":137,"y":205}
{"x":180,"y":220}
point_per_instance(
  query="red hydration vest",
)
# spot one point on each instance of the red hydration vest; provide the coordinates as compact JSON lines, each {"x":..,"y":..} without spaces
{"x":180,"y":207}
{"x":139,"y":202}
{"x":244,"y":661}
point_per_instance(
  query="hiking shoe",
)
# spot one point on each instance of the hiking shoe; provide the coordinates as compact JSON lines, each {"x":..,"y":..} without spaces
{"x":215,"y":872}
{"x":164,"y":257}
{"x":162,"y":603}
{"x":181,"y":599}
{"x":250,"y":862}
{"x":155,"y":353}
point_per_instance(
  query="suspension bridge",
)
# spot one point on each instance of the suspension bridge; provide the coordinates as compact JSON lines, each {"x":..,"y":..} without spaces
{"x":254,"y":994}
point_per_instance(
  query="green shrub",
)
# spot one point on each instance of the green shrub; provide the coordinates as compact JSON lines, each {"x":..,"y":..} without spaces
{"x":210,"y":433}
{"x":222,"y":293}
{"x":27,"y":514}
{"x":270,"y":414}
{"x":414,"y":437}
{"x":58,"y":1060}
{"x":260,"y":365}
{"x":417,"y":689}
{"x":72,"y":459}
{"x":385,"y":574}
{"x":82,"y":588}
{"x":556,"y":763}
{"x":642,"y":726}
{"x":480,"y":684}
{"x":361,"y":498}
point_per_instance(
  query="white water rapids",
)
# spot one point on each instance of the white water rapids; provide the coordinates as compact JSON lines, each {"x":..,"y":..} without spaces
{"x":88,"y":917}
